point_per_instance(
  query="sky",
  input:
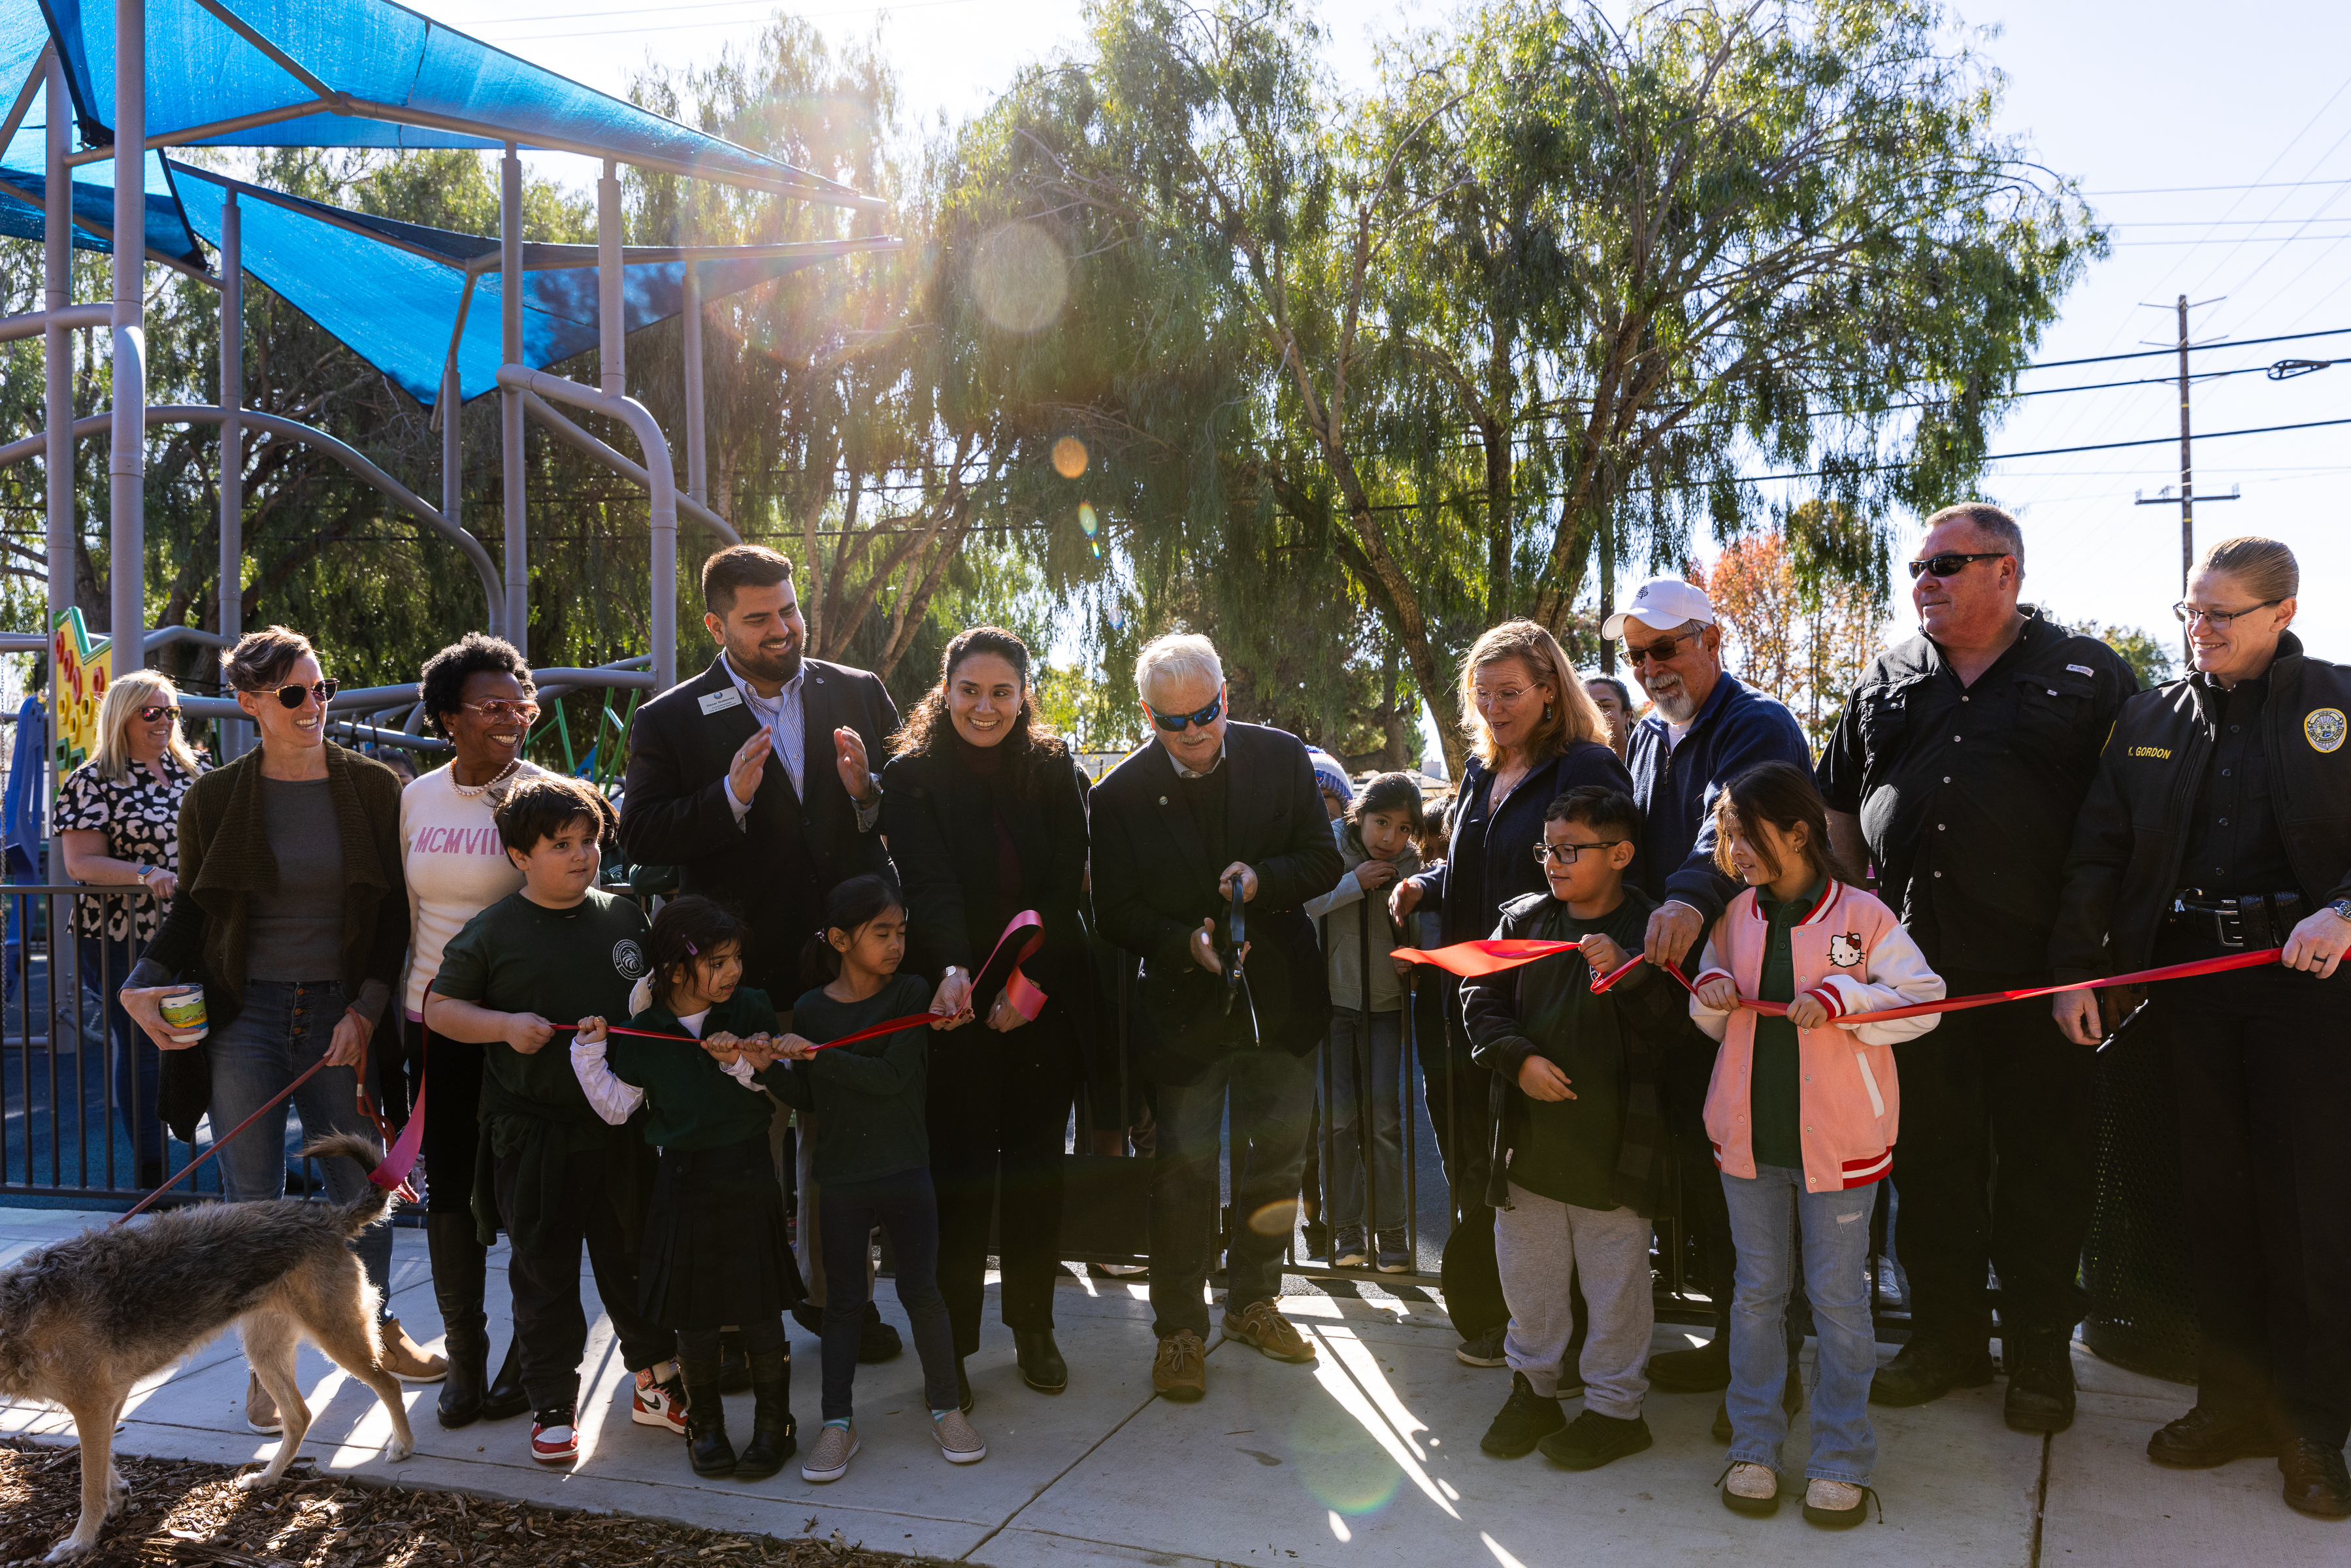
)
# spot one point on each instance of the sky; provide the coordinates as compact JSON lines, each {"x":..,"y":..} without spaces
{"x":2216,"y":140}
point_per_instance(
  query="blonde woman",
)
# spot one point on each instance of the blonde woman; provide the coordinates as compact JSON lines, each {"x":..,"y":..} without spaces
{"x":119,"y":825}
{"x":1534,"y":734}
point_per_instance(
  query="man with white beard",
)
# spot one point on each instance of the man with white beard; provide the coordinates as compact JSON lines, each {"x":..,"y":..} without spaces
{"x":1708,"y":726}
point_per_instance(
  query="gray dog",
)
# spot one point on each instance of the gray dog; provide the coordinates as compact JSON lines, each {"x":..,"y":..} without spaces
{"x":83,"y":1320}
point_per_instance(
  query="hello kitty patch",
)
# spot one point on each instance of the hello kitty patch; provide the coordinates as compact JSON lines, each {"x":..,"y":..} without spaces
{"x":1844,"y":951}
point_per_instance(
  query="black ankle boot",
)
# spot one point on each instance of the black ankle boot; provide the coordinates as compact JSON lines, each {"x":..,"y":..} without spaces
{"x":706,"y":1419}
{"x":507,"y":1395}
{"x":458,"y":1272}
{"x":774,"y":1434}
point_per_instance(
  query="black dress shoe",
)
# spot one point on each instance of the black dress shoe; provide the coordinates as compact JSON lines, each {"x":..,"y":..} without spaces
{"x":2315,"y":1481}
{"x":1924,"y":1371}
{"x":1700,"y":1371}
{"x":507,"y":1397}
{"x":1041,"y":1367}
{"x":2039,"y":1386}
{"x":2203,"y":1438}
{"x":876,"y":1341}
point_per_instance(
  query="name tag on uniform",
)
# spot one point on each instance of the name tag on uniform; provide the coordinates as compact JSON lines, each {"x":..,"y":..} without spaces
{"x":2083,"y":670}
{"x":719,"y":702}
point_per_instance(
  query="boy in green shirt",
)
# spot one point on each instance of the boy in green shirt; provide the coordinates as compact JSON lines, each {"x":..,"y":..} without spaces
{"x":522,"y":972}
{"x":1579,"y":1157}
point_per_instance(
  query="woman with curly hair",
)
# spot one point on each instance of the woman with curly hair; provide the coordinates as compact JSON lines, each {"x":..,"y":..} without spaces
{"x":477,"y":694}
{"x":986,"y":813}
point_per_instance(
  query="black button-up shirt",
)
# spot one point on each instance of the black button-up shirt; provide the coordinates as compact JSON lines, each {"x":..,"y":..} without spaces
{"x":2233,"y":842}
{"x":1967,"y":794}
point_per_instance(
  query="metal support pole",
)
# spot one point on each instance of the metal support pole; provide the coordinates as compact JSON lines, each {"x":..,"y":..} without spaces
{"x":1367,"y":1142}
{"x":510,"y":423}
{"x":234,"y":734}
{"x":698,"y":463}
{"x":453,"y":445}
{"x":612,"y":277}
{"x":57,"y":368}
{"x":125,"y":458}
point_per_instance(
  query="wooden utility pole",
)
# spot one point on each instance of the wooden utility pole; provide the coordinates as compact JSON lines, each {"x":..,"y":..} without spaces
{"x":2186,"y":496}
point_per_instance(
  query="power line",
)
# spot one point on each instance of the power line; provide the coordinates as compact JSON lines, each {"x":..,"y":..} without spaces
{"x":2216,"y":343}
{"x":2196,"y":190}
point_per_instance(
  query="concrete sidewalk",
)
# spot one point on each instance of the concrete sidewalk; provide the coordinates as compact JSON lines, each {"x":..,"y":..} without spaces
{"x":1370,"y":1457}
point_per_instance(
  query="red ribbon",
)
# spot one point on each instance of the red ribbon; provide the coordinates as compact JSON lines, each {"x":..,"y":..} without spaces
{"x":1472,"y":959}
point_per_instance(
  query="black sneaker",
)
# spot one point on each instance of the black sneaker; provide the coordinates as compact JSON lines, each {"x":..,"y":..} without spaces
{"x":876,"y":1341}
{"x":1923,"y":1371}
{"x":2040,"y":1386}
{"x":1484,"y":1350}
{"x":2203,"y":1438}
{"x":1525,"y":1421}
{"x":1592,"y":1439}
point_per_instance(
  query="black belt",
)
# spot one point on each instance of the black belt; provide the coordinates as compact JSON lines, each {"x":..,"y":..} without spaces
{"x":2254,"y":920}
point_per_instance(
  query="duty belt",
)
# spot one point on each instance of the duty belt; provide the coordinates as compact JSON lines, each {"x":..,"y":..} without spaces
{"x":2245,"y":920}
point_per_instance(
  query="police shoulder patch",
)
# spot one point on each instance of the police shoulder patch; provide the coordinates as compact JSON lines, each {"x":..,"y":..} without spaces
{"x":2324,"y":729}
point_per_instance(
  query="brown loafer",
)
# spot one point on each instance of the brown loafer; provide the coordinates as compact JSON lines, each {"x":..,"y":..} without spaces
{"x":1180,"y":1369}
{"x":406,"y":1360}
{"x":1271,"y":1334}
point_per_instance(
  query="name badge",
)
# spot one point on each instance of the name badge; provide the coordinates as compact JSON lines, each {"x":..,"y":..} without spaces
{"x":2083,"y":670}
{"x":719,"y":702}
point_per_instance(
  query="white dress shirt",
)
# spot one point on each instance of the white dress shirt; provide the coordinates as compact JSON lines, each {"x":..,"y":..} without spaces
{"x":785,"y":718}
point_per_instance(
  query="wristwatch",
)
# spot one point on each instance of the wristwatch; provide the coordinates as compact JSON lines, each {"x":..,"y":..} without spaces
{"x":2341,"y":907}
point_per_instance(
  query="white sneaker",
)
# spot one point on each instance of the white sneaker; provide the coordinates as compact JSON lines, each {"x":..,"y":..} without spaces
{"x":659,"y":1402}
{"x":958,"y":1440}
{"x":828,"y":1460}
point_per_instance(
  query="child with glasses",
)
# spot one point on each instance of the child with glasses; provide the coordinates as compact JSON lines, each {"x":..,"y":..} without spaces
{"x":1802,"y":1112}
{"x":1579,"y":1156}
{"x":1363,"y":1052}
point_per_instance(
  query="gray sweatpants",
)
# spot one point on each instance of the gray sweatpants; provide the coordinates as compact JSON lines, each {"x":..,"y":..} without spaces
{"x":1542,"y":1245}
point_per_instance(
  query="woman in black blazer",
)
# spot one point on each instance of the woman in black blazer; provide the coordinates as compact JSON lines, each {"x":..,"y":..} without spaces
{"x":985,"y":811}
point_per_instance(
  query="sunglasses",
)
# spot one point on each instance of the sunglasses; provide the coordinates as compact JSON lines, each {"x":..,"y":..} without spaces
{"x":291,"y":697}
{"x":1658,"y":652}
{"x":1176,"y":724}
{"x":1565,"y":853}
{"x":150,"y":715}
{"x":1950,"y":563}
{"x":500,"y":708}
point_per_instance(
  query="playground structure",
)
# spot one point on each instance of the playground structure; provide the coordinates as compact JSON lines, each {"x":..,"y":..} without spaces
{"x":446,"y":317}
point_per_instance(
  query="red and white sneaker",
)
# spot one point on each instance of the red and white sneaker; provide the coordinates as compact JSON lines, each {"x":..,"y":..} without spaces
{"x":660,"y":1401}
{"x":554,"y":1440}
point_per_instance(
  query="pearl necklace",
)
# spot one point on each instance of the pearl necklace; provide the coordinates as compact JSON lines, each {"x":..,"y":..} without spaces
{"x":469,"y":791}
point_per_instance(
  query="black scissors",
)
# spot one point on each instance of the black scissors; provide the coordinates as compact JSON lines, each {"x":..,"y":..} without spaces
{"x":1236,"y":932}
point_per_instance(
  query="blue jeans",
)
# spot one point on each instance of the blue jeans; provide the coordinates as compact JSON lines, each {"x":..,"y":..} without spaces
{"x":138,"y":1066}
{"x":1766,"y":1213}
{"x":1272,"y":1098}
{"x":1349,"y":1045}
{"x":284,"y":1027}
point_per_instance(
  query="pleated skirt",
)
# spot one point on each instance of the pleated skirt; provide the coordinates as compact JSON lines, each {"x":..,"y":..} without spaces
{"x":716,"y":1249}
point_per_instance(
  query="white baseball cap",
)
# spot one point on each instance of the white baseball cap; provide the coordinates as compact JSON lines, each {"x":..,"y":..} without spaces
{"x":1662,"y":605}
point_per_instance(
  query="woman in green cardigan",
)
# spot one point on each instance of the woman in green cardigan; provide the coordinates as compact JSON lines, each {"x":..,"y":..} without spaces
{"x":293,"y":916}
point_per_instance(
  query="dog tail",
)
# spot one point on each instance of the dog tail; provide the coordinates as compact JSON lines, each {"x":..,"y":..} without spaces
{"x":367,"y":1208}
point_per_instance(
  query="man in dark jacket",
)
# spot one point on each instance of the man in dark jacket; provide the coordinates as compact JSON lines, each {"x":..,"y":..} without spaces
{"x":753,"y":779}
{"x":1957,"y":769}
{"x":1178,"y":827}
{"x":1707,"y":727}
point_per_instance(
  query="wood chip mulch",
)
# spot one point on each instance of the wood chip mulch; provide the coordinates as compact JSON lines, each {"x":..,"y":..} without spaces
{"x":181,"y":1511}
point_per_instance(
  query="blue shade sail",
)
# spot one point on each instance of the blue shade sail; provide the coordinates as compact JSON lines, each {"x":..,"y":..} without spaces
{"x":392,"y":292}
{"x":24,"y":184}
{"x":391,"y":79}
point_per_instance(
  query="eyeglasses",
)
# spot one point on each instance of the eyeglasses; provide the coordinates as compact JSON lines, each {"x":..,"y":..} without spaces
{"x":1506,"y":696}
{"x":500,"y":708}
{"x":1659,"y":653}
{"x":1565,"y":853}
{"x":150,"y":715}
{"x":1950,"y":563}
{"x":291,"y":697}
{"x":2217,"y":619}
{"x":1176,"y":724}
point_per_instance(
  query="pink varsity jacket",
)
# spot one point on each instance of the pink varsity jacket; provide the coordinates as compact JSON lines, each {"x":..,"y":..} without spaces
{"x":1851,"y":953}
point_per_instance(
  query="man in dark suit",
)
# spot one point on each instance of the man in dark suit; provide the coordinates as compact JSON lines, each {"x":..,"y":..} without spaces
{"x":752,"y":779}
{"x":1176,"y":827}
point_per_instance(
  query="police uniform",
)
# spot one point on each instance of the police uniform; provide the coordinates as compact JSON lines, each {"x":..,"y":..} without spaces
{"x":2221,"y":819}
{"x":1967,"y":794}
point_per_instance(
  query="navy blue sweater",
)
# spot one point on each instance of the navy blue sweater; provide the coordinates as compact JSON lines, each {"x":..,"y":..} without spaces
{"x":1737,"y":729}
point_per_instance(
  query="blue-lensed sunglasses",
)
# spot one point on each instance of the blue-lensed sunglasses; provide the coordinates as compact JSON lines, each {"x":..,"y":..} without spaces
{"x":1177,"y":723}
